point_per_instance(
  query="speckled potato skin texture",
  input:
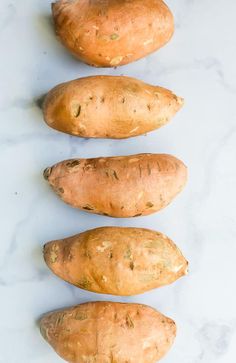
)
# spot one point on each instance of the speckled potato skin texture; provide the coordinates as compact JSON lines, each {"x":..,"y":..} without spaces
{"x":109,"y":107}
{"x":123,"y":186}
{"x":109,"y":33}
{"x":116,"y":261}
{"x":106,"y":332}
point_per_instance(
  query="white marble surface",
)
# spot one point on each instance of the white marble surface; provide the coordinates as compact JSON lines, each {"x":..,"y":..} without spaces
{"x":198,"y":64}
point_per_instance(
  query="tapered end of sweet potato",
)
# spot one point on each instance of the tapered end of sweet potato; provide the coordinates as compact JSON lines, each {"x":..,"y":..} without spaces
{"x":184,"y":269}
{"x":54,"y":7}
{"x":176,"y":104}
{"x":43,"y":328}
{"x":180,"y":101}
{"x":53,"y":254}
{"x":47,"y":173}
{"x":59,"y":3}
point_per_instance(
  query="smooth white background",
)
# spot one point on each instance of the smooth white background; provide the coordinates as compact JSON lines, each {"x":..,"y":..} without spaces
{"x":198,"y":64}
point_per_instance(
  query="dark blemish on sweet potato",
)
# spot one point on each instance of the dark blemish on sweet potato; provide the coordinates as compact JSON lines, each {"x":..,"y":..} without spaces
{"x":129,"y":321}
{"x":149,"y":204}
{"x":47,"y":173}
{"x":78,"y":111}
{"x":84,"y":283}
{"x":102,"y":99}
{"x":149,"y":169}
{"x":105,"y":214}
{"x":122,"y":207}
{"x":149,"y":107}
{"x":135,"y":111}
{"x":115,"y":175}
{"x":114,"y":36}
{"x":88,"y":207}
{"x":111,"y":173}
{"x":40,"y":101}
{"x":111,"y":255}
{"x":89,"y":167}
{"x":158,"y":166}
{"x":138,"y":215}
{"x":81,"y":316}
{"x":123,"y":100}
{"x":91,"y":98}
{"x":72,"y":163}
{"x":61,"y":190}
{"x":131,"y":265}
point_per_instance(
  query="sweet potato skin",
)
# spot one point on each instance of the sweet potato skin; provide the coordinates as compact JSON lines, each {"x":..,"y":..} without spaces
{"x":123,"y":186}
{"x":109,"y":107}
{"x":116,"y":261}
{"x":110,"y":33}
{"x":106,"y":332}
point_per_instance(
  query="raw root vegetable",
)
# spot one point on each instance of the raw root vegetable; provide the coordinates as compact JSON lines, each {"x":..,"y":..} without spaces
{"x":106,"y":332}
{"x":109,"y":107}
{"x":110,"y":33}
{"x":117,"y":261}
{"x":122,"y":186}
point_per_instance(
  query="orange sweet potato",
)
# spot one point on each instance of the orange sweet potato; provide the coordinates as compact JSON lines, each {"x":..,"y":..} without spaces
{"x":109,"y":107}
{"x":106,"y":332}
{"x":109,"y":33}
{"x":124,"y":186}
{"x":115,"y":260}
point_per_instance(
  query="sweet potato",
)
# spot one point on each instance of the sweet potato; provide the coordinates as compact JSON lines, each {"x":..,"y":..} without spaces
{"x":109,"y":107}
{"x":106,"y":332}
{"x":123,"y":186}
{"x":109,"y":33}
{"x":117,"y":261}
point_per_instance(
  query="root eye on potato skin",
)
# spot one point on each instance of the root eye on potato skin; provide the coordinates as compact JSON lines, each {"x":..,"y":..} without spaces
{"x":72,"y":163}
{"x":77,"y":113}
